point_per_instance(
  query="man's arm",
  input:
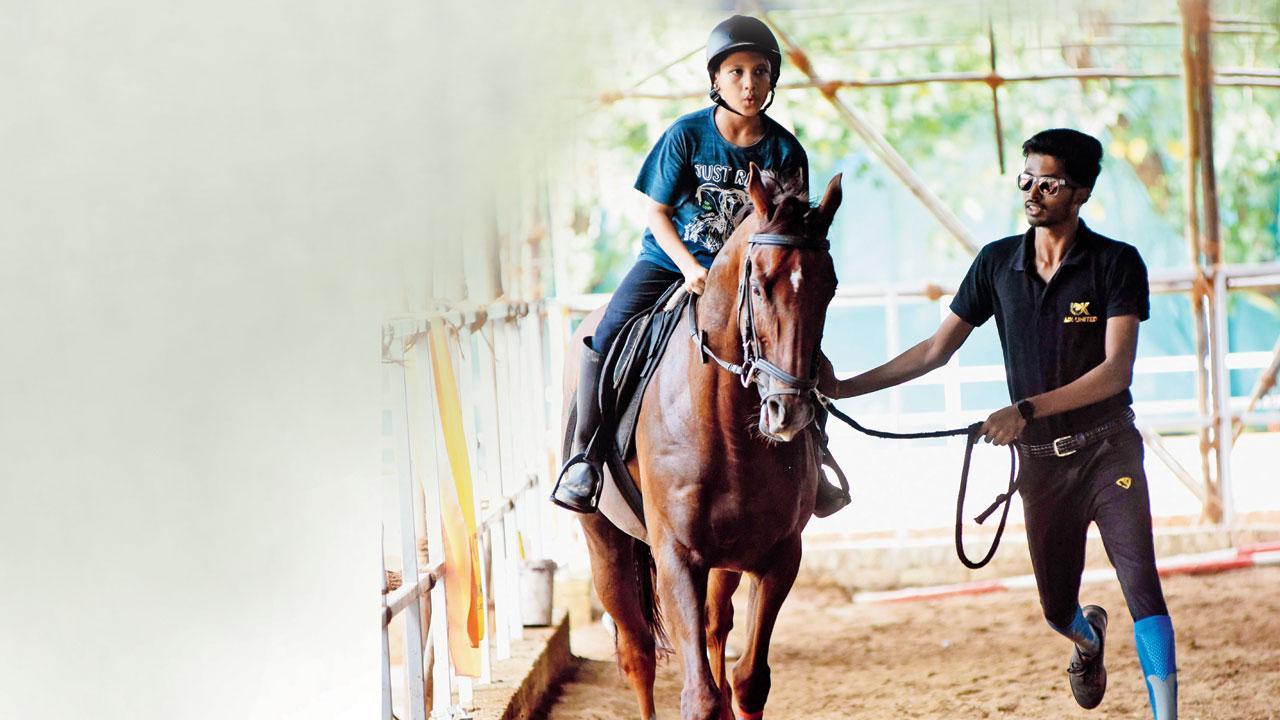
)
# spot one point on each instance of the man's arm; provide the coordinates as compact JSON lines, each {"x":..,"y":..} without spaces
{"x":1111,"y":376}
{"x":924,"y":357}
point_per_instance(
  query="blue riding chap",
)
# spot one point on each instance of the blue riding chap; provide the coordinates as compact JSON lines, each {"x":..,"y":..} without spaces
{"x":1153,"y":637}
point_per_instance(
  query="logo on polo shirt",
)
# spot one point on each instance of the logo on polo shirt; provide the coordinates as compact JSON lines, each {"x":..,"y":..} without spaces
{"x":1125,"y":482}
{"x":1080,"y":314}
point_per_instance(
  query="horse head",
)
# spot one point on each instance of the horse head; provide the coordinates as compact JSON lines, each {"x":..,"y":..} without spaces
{"x":787,"y":280}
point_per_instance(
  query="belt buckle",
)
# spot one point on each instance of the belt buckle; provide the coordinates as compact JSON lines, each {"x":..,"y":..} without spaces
{"x":1057,"y":451}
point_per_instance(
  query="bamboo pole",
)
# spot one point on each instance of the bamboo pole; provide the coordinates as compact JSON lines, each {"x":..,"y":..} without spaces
{"x":1191,"y":81}
{"x":1212,"y":246}
{"x":1251,"y":78}
{"x":995,"y":93}
{"x":1229,"y":26}
{"x":892,"y":8}
{"x":1247,"y":82}
{"x":1156,"y":443}
{"x":1266,"y":382}
{"x":878,"y":144}
{"x":1248,"y":73}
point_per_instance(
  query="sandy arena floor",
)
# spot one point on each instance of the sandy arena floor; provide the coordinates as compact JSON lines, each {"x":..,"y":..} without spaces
{"x":988,"y":656}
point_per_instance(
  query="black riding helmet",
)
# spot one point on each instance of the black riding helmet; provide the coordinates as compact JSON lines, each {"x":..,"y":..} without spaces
{"x":741,"y":32}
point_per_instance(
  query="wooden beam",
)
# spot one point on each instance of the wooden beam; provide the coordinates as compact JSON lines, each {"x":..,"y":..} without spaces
{"x":1191,"y":83}
{"x":1156,"y":443}
{"x":1237,"y":77}
{"x":1265,"y":383}
{"x":876,"y":142}
{"x":995,"y":94}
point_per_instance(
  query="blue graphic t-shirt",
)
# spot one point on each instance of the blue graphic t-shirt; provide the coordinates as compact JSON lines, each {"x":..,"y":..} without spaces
{"x":704,"y":177}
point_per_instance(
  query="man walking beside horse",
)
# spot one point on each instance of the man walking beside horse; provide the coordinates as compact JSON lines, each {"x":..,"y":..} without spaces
{"x":1067,"y":303}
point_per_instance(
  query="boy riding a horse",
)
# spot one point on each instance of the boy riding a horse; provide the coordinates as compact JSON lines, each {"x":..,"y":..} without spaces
{"x":696,"y":180}
{"x":725,"y":455}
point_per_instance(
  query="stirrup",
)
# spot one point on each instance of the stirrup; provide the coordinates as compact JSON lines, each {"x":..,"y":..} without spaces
{"x":829,"y":460}
{"x":593,"y":504}
{"x":837,"y":499}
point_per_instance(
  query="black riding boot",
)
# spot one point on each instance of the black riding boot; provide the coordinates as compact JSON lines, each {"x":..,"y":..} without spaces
{"x":830,"y":498}
{"x":578,"y":486}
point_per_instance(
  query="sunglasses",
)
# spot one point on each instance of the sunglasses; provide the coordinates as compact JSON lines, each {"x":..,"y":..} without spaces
{"x":1048,"y":186}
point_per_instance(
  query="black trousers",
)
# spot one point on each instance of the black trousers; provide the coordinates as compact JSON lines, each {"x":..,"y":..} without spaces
{"x":637,"y":292}
{"x":1105,"y":484}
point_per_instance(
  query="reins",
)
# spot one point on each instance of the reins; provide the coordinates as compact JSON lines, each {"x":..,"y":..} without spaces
{"x":971,"y":439}
{"x":754,"y":364}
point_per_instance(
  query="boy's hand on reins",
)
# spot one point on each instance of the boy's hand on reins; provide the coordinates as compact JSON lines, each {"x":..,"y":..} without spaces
{"x":695,"y":279}
{"x":1003,"y":426}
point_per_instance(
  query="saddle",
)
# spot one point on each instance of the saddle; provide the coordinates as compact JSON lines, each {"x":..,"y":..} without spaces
{"x":628,"y":367}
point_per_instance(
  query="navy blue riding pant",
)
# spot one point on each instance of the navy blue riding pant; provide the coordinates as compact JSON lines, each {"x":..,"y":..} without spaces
{"x":638,"y":291}
{"x":1102,"y":483}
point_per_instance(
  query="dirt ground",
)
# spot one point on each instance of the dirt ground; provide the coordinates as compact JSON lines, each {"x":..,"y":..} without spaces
{"x":989,"y":656}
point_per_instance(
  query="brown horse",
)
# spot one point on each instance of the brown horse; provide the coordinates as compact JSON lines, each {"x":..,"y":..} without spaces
{"x":727,"y":474}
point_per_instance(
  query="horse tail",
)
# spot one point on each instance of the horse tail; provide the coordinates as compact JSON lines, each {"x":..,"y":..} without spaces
{"x":646,"y":576}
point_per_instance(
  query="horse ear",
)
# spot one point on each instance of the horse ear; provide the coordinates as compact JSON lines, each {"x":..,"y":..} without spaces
{"x":831,"y":199}
{"x":755,"y":190}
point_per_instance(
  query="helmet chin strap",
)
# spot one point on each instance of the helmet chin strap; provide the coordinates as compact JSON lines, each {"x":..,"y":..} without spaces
{"x":714,"y":94}
{"x":768,"y":101}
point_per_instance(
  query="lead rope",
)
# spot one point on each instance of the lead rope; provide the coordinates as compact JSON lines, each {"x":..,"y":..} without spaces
{"x":971,"y":439}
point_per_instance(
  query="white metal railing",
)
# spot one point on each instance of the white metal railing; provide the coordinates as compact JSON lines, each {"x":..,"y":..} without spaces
{"x":496,"y":355}
{"x":1176,"y":415}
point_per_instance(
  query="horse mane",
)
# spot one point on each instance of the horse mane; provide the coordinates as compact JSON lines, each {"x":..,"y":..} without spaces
{"x":791,"y":208}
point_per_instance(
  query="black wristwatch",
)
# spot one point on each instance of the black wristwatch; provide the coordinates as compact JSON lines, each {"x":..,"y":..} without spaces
{"x":1026,"y":409}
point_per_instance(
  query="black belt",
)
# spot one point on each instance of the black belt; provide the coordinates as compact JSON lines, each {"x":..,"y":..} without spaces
{"x":1069,"y":444}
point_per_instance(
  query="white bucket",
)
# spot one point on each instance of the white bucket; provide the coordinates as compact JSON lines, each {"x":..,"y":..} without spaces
{"x":537,"y":582}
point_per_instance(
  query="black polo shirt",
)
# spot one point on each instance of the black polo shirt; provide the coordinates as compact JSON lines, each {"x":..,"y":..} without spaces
{"x":1052,"y":333}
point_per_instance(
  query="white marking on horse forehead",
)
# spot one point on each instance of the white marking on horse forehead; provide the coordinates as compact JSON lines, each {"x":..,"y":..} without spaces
{"x":795,"y":279}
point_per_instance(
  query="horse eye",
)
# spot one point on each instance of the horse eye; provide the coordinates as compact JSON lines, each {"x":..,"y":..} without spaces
{"x":755,"y":290}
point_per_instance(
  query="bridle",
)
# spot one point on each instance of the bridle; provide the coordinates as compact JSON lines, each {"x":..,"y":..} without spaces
{"x":754,"y":364}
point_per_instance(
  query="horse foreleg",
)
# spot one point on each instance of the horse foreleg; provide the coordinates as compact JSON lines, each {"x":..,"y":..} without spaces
{"x":751,"y":672}
{"x":615,"y":574}
{"x":682,"y":586}
{"x":720,"y":587}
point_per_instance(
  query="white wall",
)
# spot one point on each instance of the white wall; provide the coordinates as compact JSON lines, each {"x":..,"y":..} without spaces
{"x":206,"y":211}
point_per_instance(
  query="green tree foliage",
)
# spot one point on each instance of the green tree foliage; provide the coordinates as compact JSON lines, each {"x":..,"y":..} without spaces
{"x":946,"y":130}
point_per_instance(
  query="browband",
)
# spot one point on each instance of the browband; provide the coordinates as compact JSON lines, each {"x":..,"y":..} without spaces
{"x":795,"y":241}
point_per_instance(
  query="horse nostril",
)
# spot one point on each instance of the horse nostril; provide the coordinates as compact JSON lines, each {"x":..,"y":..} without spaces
{"x":777,"y":411}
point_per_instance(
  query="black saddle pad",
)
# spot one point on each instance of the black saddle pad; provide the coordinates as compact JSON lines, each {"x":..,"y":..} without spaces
{"x":630,"y":364}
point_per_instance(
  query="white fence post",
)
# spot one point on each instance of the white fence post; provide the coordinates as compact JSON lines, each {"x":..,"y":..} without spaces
{"x":398,"y":404}
{"x":1225,"y":434}
{"x":498,"y":370}
{"x":441,"y":678}
{"x":536,"y":391}
{"x":386,"y":635}
{"x":464,"y":373}
{"x":513,"y":420}
{"x":492,"y":469}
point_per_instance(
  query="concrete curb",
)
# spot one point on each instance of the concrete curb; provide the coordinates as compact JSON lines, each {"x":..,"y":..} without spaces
{"x":1209,"y":562}
{"x":886,"y":564}
{"x":538,"y":664}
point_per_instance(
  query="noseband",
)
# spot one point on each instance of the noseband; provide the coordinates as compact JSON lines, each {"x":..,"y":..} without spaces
{"x":753,"y":363}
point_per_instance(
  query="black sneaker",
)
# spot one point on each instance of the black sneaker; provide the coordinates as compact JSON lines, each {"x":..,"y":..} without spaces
{"x":1088,"y":676}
